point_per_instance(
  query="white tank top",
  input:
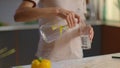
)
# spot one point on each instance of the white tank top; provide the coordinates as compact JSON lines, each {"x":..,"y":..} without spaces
{"x":68,"y":46}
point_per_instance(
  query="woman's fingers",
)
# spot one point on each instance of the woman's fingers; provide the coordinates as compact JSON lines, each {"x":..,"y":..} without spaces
{"x":68,"y":21}
{"x":91,"y":33}
{"x":69,"y":16}
{"x":72,"y":20}
{"x":78,"y":18}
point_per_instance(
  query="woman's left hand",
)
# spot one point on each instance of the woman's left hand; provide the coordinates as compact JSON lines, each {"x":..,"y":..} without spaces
{"x":91,"y":33}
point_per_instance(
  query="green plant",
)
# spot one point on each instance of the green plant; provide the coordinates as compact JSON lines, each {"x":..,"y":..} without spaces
{"x":118,"y":4}
{"x":1,"y":24}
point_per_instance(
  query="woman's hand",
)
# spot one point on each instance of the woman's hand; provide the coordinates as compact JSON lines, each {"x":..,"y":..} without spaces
{"x":71,"y":18}
{"x":87,"y":30}
{"x":91,"y":33}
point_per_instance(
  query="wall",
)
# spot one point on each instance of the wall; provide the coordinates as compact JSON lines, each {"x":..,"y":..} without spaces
{"x":7,"y":10}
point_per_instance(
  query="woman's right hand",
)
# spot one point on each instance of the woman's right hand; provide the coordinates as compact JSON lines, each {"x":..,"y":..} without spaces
{"x":71,"y":17}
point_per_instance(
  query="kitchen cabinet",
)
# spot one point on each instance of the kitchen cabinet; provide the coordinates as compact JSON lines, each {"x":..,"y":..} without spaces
{"x":7,"y":39}
{"x":25,"y":41}
{"x":110,"y":39}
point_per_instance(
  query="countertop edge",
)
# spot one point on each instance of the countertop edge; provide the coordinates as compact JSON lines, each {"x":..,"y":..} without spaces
{"x":18,"y":27}
{"x":36,"y":26}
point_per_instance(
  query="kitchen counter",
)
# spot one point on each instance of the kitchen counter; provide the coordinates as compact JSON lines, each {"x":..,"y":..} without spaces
{"x":18,"y":27}
{"x":33,"y":26}
{"x":103,"y":61}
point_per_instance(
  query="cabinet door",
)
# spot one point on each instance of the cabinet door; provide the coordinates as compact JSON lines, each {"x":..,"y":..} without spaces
{"x":25,"y":42}
{"x":27,"y":45}
{"x":7,"y":40}
{"x":110,"y":39}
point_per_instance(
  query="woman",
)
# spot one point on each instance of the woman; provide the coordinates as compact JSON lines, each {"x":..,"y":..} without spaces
{"x":69,"y":45}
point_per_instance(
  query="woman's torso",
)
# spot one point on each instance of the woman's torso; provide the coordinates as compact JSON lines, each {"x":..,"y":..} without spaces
{"x":70,"y":39}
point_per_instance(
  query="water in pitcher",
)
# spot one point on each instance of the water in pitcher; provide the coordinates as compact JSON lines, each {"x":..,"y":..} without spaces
{"x":51,"y":32}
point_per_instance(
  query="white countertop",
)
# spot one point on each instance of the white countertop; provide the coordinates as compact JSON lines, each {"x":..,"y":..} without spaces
{"x":32,"y":26}
{"x":18,"y":27}
{"x":36,"y":26}
{"x":103,"y":61}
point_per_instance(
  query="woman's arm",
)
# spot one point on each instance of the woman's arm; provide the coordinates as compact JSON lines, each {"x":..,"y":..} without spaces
{"x":26,"y":12}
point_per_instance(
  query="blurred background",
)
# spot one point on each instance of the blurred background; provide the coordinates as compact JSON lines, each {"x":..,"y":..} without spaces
{"x":22,"y":38}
